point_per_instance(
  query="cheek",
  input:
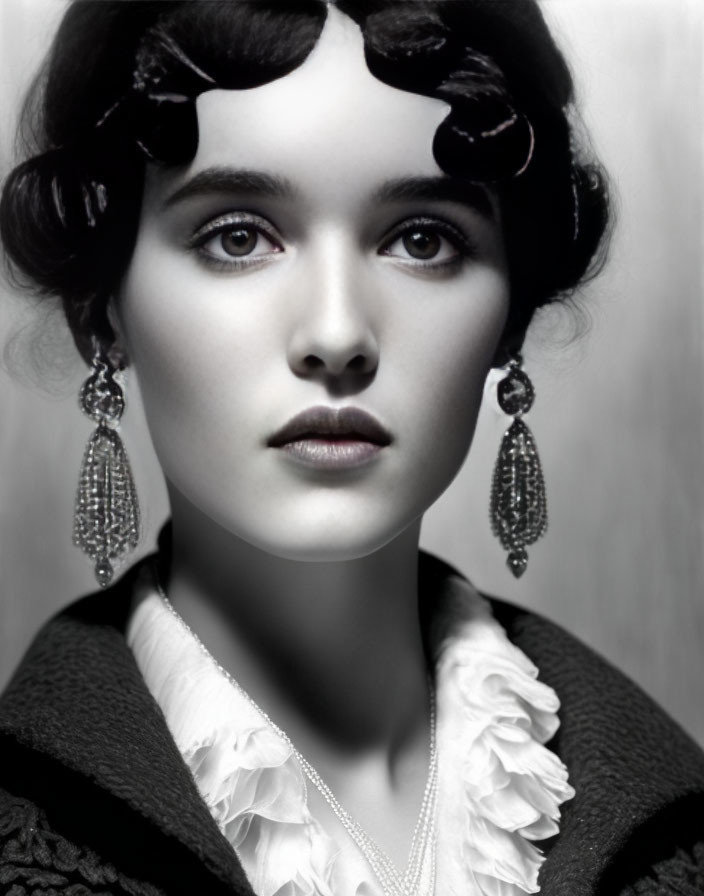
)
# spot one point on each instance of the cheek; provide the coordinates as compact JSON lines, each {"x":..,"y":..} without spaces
{"x":186,"y":349}
{"x":457,"y":349}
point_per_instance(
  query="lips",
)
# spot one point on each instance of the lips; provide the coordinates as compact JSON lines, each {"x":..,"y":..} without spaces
{"x":331,"y":438}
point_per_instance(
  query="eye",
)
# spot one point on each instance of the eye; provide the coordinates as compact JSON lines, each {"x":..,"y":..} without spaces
{"x":422,"y":244}
{"x":430,"y":243}
{"x":234,"y":241}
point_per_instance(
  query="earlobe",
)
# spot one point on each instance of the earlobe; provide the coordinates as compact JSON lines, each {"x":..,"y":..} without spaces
{"x":117,"y":351}
{"x":509,"y":346}
{"x":503,"y":354}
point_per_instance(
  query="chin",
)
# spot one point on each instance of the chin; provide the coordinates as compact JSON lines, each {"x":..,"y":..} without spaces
{"x":331,"y":544}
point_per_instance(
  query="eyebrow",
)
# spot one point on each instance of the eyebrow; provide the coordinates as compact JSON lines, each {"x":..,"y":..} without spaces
{"x":216,"y":180}
{"x":438,"y":189}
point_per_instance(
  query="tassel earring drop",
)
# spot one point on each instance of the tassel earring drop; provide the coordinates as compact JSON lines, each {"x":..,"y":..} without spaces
{"x":518,"y":507}
{"x":106,"y":518}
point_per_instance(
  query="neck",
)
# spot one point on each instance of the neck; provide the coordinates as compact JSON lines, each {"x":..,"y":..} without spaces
{"x":332,"y":651}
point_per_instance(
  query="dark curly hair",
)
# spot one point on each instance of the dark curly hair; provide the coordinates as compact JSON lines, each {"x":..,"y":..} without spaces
{"x":118,"y":91}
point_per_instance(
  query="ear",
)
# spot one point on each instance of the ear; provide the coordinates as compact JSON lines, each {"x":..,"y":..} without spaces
{"x":117,"y":351}
{"x":509,"y":346}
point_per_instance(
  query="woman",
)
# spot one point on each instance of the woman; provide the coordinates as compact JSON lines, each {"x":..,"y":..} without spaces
{"x":311,"y":230}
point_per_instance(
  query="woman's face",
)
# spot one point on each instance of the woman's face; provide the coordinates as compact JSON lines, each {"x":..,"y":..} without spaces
{"x":313,"y":257}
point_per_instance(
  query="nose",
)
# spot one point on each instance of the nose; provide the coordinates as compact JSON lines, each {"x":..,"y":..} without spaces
{"x":333,"y":336}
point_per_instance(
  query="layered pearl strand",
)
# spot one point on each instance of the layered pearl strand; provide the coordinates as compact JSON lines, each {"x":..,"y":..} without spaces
{"x":418,"y":879}
{"x":422,"y":852}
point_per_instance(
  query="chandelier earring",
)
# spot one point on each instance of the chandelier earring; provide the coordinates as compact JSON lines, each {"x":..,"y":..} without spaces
{"x":518,"y":506}
{"x":106,"y":519}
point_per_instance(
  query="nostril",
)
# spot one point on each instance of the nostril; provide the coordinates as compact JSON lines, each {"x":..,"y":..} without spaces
{"x":357,"y":364}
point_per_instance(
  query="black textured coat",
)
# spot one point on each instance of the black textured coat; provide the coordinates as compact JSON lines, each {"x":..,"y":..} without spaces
{"x":95,"y":798}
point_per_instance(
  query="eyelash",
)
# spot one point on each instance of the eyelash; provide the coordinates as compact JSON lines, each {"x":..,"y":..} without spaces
{"x":465,"y":247}
{"x":227,"y":224}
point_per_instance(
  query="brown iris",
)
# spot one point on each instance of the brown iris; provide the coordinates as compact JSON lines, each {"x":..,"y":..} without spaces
{"x":240,"y":241}
{"x":421,"y":244}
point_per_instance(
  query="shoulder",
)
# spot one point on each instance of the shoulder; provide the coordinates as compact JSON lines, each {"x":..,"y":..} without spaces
{"x":636,"y":823}
{"x":639,"y":778}
{"x":94,"y":795}
{"x":77,"y":659}
{"x":601,"y":707}
{"x":41,"y":797}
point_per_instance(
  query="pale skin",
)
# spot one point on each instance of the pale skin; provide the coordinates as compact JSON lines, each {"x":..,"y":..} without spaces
{"x":302,"y":581}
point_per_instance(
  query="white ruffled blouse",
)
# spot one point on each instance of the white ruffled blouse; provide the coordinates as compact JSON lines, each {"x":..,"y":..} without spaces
{"x":499,"y":788}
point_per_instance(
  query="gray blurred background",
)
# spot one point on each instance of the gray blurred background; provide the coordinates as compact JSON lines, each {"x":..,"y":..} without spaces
{"x":619,"y":416}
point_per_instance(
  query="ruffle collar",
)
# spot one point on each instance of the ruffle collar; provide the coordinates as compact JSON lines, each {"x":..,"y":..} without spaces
{"x":500,"y":788}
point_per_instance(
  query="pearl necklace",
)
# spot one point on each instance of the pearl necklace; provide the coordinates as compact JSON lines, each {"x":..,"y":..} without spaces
{"x":419,"y":875}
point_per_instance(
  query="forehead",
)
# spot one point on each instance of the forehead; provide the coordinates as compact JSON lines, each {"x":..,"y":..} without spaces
{"x":327,"y":117}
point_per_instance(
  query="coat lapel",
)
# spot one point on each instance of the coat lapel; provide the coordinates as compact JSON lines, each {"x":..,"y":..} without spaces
{"x":639,"y":779}
{"x":85,"y":738}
